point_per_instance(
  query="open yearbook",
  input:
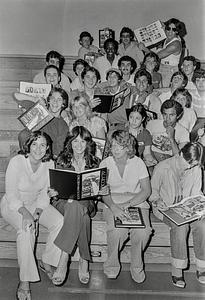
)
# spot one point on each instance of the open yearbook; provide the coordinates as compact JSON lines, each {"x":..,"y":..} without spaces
{"x":135,"y":219}
{"x":150,"y":34}
{"x":187,"y":210}
{"x":35,"y":89}
{"x":35,"y":117}
{"x":109,"y":103}
{"x":78,"y":186}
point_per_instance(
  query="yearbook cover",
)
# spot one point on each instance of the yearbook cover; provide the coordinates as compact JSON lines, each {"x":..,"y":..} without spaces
{"x":187,"y":210}
{"x":101,"y":147}
{"x":35,"y":89}
{"x":105,"y":34}
{"x":135,"y":219}
{"x":35,"y":117}
{"x":150,"y":34}
{"x":78,"y":186}
{"x":109,"y":103}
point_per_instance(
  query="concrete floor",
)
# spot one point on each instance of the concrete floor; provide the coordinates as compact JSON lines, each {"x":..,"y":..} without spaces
{"x":156,"y":287}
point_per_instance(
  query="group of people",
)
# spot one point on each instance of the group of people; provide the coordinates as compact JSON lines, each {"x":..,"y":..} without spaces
{"x":154,"y":156}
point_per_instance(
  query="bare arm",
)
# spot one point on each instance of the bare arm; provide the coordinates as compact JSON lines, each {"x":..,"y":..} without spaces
{"x":173,"y":48}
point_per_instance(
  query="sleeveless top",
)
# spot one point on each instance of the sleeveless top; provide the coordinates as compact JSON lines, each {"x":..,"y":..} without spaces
{"x":172,"y":59}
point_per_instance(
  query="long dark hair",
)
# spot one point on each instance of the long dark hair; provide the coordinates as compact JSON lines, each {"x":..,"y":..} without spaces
{"x":33,"y":136}
{"x":65,"y":157}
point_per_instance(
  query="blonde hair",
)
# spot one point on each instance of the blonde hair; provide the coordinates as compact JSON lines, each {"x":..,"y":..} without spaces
{"x":83,"y":99}
{"x":124,"y":139}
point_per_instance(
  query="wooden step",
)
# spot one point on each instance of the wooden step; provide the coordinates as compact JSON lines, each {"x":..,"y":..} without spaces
{"x":9,"y":119}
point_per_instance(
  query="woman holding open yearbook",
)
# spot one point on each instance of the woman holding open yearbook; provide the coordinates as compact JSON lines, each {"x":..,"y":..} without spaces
{"x":130,"y":186}
{"x":76,"y":156}
{"x":173,"y":179}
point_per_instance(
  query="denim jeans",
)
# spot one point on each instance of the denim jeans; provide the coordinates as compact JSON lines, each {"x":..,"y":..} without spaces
{"x":178,"y":243}
{"x":117,"y":236}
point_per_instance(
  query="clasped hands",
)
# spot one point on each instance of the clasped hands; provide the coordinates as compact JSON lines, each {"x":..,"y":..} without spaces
{"x":31,"y":222}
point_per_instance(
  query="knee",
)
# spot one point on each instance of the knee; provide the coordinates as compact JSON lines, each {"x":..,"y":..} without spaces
{"x":140,"y":235}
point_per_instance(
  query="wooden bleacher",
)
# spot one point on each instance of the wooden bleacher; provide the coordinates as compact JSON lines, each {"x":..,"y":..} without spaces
{"x":15,"y":68}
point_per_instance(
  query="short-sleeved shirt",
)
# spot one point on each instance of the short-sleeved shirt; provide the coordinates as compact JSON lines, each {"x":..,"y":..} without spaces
{"x":82,"y":51}
{"x":143,"y":139}
{"x":102,"y":64}
{"x":160,"y":141}
{"x":135,"y":170}
{"x":133,"y":51}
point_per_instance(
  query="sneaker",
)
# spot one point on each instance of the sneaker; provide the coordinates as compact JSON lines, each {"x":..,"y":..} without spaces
{"x":200,"y":277}
{"x":179,"y":282}
{"x":137,"y":275}
{"x":111,"y":274}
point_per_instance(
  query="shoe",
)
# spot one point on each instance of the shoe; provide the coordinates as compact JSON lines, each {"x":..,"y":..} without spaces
{"x":49,"y":273}
{"x":84,"y":277}
{"x":179,"y":281}
{"x":200,"y":277}
{"x":111,"y":275}
{"x":22,"y":294}
{"x":59,"y":276}
{"x":137,"y":275}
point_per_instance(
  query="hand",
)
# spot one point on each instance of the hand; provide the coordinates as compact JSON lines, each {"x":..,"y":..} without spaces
{"x":160,"y":204}
{"x":149,"y":160}
{"x":177,"y":199}
{"x":118,"y":212}
{"x":42,"y":101}
{"x":104,"y":190}
{"x":28,"y":221}
{"x":37,"y":214}
{"x":95,"y":102}
{"x":170,"y":132}
{"x":52,"y":192}
{"x":141,"y":46}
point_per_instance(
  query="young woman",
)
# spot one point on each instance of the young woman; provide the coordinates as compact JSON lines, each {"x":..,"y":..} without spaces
{"x":26,"y":204}
{"x":151,"y":63}
{"x":129,"y":186}
{"x":83,"y":116}
{"x":57,"y":128}
{"x":175,"y":178}
{"x":78,"y":67}
{"x":185,"y":99}
{"x":137,"y":119}
{"x":76,"y":155}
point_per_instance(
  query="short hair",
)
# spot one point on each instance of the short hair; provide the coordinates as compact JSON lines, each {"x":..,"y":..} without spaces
{"x":181,"y":73}
{"x":33,"y":136}
{"x":55,"y":54}
{"x":52,"y":67}
{"x":66,"y":155}
{"x":170,"y":103}
{"x":124,"y":139}
{"x":87,"y":69}
{"x":185,"y":93}
{"x":113,"y":71}
{"x":139,"y":107}
{"x":193,"y":152}
{"x":63,"y":94}
{"x":127,"y":30}
{"x":195,"y":62}
{"x":180,"y":26}
{"x":114,"y":42}
{"x":143,"y":72}
{"x":156,"y":58}
{"x":86,"y":34}
{"x":84,"y":99}
{"x":129,"y":59}
{"x":79,"y":62}
{"x":200,"y":73}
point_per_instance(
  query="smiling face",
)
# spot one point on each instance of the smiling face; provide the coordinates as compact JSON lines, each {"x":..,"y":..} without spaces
{"x":188,"y":67}
{"x":177,"y":81}
{"x":113,"y":80}
{"x":79,"y":109}
{"x":150,"y":64}
{"x":181,"y":99}
{"x":126,"y":39}
{"x":38,"y":149}
{"x":110,"y":50}
{"x":135,"y":120}
{"x":200,"y":84}
{"x":79,"y":69}
{"x":171,"y":31}
{"x":78,"y":145}
{"x":55,"y":103}
{"x":142,"y":83}
{"x":126,"y":67}
{"x":90,"y":80}
{"x":52,"y":77}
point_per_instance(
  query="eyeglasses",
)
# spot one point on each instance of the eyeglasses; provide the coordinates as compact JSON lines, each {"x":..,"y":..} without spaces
{"x":168,"y":28}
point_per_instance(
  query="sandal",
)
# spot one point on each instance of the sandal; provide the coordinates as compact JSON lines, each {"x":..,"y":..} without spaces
{"x":49,"y":273}
{"x":59,"y":276}
{"x":84,"y":277}
{"x":22,"y":294}
{"x":179,"y":281}
{"x":200,"y":276}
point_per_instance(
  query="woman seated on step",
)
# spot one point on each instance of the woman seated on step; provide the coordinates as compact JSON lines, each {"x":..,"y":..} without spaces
{"x":173,"y":179}
{"x":76,"y":155}
{"x":129,"y":184}
{"x":26,"y":204}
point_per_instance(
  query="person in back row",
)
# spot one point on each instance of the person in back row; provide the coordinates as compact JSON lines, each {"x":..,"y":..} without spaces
{"x":86,"y":40}
{"x":58,"y":60}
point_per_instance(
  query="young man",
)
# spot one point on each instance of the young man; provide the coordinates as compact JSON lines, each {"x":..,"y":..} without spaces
{"x":127,"y":66}
{"x":58,"y":60}
{"x":168,"y":136}
{"x":189,"y":66}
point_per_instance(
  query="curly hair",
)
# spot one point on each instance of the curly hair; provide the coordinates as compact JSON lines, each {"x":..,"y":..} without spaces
{"x":64,"y":159}
{"x":127,"y":30}
{"x":79,"y":61}
{"x":124,"y":139}
{"x":128,"y":59}
{"x":87,"y":69}
{"x":143,"y":72}
{"x":114,"y":42}
{"x":156,"y":58}
{"x":33,"y":136}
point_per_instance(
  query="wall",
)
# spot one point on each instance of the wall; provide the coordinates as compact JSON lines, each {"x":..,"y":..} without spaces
{"x":37,"y":26}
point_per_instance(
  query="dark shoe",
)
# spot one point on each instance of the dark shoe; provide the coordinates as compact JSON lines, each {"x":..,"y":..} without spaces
{"x":179,"y":282}
{"x":200,"y":277}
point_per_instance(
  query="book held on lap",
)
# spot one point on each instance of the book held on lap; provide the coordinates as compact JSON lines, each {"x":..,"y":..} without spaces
{"x":187,"y":210}
{"x":78,"y":185}
{"x":135,"y":219}
{"x":109,"y":103}
{"x":35,"y":117}
{"x":35,"y":89}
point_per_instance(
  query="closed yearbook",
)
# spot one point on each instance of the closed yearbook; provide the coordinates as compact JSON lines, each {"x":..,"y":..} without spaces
{"x":135,"y":219}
